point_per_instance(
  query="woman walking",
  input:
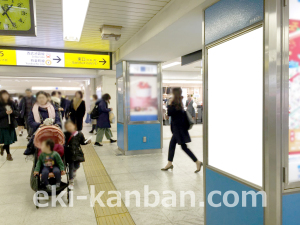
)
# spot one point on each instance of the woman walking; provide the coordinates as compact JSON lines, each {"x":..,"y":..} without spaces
{"x":77,"y":110}
{"x":179,"y":129}
{"x":103,"y":123}
{"x":94,"y":122}
{"x":8,"y":123}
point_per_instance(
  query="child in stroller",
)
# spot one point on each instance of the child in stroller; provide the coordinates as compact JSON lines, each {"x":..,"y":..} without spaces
{"x":51,"y":161}
{"x":42,"y":144}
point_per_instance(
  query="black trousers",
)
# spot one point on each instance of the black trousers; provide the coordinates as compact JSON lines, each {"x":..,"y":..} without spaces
{"x":184,"y":147}
{"x":28,"y":128}
{"x":6,"y":148}
{"x":93,"y":127}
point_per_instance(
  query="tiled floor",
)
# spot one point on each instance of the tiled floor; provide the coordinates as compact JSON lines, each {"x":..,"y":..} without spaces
{"x":127,"y":172}
{"x":131,"y":173}
{"x":16,"y":196}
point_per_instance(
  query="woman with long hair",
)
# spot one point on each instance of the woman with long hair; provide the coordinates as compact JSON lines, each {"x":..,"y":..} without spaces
{"x":103,"y":123}
{"x":179,"y":128}
{"x":77,"y":110}
{"x":8,"y":123}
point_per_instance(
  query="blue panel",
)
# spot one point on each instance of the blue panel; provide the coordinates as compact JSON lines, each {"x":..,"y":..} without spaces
{"x":120,"y":134}
{"x":119,"y":69}
{"x":144,"y":118}
{"x":136,"y":133}
{"x":237,"y":215}
{"x":291,"y":209}
{"x":229,"y":16}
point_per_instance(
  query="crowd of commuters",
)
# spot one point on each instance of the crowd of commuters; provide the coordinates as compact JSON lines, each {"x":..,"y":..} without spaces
{"x":31,"y":111}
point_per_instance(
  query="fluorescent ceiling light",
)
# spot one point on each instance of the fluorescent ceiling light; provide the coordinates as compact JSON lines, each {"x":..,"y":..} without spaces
{"x":56,"y":88}
{"x":44,"y":78}
{"x":170,"y":65}
{"x":182,"y":81}
{"x":74,"y":14}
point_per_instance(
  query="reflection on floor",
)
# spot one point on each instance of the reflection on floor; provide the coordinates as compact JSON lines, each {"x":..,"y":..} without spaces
{"x":128,"y":173}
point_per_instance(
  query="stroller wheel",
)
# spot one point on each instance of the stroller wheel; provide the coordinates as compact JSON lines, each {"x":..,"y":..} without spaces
{"x":37,"y":207}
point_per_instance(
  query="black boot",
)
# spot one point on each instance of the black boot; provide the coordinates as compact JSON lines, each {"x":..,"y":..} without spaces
{"x":2,"y":150}
{"x":98,"y":144}
{"x":112,"y":141}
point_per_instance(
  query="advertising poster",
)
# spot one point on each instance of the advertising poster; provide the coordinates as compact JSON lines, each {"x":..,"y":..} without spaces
{"x":294,"y":91}
{"x":143,"y":98}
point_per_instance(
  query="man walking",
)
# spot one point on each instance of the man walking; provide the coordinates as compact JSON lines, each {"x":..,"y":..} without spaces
{"x":26,"y":105}
{"x":190,"y":107}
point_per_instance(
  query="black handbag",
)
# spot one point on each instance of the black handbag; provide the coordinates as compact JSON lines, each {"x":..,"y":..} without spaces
{"x":95,"y":113}
{"x":189,"y":120}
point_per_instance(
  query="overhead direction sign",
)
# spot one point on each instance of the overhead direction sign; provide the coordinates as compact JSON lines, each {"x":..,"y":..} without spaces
{"x":55,"y":59}
{"x":8,"y":57}
{"x":92,"y":61}
{"x":37,"y":58}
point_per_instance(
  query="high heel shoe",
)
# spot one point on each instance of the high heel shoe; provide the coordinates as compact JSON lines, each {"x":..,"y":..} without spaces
{"x":197,"y":171}
{"x":166,"y":169}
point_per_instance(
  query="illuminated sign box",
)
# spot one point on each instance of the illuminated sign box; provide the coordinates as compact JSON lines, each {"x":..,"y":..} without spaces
{"x":34,"y":58}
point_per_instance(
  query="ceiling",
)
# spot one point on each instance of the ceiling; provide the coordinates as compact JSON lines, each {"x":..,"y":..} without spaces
{"x":132,"y":15}
{"x":192,"y":67}
{"x":20,"y":84}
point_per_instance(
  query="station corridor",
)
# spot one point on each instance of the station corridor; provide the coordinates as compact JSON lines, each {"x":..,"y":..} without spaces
{"x":127,"y":173}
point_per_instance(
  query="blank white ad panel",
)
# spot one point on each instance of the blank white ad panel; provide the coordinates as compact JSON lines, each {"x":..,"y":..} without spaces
{"x":235,"y":106}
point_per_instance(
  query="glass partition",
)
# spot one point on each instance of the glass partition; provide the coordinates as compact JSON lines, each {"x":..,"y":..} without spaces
{"x":235,"y":107}
{"x":294,"y":91}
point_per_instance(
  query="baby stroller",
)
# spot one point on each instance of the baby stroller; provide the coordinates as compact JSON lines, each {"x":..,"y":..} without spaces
{"x":56,"y":134}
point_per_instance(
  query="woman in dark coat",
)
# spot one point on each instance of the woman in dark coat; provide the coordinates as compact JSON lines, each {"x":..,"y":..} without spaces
{"x":103,"y":123}
{"x":179,"y":128}
{"x":42,"y":110}
{"x":8,"y":123}
{"x":77,"y":110}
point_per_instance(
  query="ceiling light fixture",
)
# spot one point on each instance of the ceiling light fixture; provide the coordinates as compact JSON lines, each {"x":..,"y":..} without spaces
{"x":74,"y":14}
{"x":170,"y":65}
{"x":56,"y":88}
{"x":183,"y":81}
{"x":44,"y":78}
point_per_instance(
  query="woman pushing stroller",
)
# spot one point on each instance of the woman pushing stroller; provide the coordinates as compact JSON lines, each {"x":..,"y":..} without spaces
{"x":41,"y":111}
